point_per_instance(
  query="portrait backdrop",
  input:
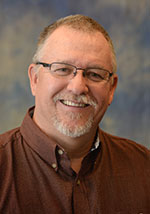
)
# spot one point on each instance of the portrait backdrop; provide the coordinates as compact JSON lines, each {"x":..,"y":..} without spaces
{"x":128,"y":24}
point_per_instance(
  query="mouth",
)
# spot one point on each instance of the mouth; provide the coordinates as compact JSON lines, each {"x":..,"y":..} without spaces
{"x":73,"y":104}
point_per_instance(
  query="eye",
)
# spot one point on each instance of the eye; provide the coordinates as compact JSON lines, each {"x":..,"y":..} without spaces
{"x":94,"y":76}
{"x":61,"y":70}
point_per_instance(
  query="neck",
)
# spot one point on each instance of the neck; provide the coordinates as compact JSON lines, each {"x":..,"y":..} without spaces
{"x":76,"y":164}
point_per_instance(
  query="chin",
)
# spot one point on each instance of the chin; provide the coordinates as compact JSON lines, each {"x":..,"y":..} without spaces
{"x":75,"y":130}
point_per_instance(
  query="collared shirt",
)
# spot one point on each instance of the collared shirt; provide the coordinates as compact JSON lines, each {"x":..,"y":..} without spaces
{"x":36,"y":176}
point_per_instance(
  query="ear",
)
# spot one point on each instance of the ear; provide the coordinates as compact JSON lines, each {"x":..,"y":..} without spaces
{"x":33,"y":77}
{"x":113,"y":87}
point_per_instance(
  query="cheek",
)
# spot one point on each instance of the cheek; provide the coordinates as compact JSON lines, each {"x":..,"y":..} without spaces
{"x":102,"y":96}
{"x":102,"y":104}
{"x":101,"y":93}
{"x":47,"y":88}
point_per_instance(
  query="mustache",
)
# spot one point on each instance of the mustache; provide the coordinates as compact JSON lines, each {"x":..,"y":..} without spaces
{"x":85,"y":99}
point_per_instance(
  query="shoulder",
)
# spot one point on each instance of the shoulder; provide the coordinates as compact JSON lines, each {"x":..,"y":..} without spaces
{"x":124,"y":147}
{"x":9,"y":137}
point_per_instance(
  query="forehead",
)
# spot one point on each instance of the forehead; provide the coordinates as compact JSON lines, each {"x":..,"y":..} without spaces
{"x":63,"y":34}
{"x":72,"y":44}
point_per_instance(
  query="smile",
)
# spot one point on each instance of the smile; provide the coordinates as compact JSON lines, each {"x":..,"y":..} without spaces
{"x":70,"y":103}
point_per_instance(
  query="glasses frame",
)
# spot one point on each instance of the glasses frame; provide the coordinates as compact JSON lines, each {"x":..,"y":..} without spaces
{"x":45,"y":65}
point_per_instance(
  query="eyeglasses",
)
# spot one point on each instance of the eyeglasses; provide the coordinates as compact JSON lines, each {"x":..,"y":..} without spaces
{"x":67,"y":71}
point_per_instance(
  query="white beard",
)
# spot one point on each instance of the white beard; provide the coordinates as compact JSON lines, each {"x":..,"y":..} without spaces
{"x":73,"y":130}
{"x":73,"y":126}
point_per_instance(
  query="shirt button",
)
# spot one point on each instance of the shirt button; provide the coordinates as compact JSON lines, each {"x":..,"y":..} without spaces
{"x":54,"y":165}
{"x":60,"y":152}
{"x":78,"y":182}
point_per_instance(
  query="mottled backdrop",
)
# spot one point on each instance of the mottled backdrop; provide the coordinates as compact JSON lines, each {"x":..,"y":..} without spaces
{"x":128,"y":23}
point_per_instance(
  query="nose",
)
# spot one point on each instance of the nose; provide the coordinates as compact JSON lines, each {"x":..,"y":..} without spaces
{"x":78,"y":84}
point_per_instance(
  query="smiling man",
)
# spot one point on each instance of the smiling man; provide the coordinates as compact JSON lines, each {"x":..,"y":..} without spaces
{"x":59,"y":161}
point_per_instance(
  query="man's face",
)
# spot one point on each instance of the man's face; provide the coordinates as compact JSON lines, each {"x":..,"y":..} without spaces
{"x":76,"y":106}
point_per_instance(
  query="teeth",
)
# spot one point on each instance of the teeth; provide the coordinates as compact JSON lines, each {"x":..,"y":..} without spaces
{"x":70,"y":103}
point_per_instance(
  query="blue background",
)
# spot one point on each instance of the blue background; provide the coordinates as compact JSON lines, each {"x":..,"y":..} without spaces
{"x":127,"y":22}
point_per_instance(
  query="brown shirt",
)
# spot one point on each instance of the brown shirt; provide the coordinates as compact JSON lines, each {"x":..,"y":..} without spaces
{"x":36,"y":177}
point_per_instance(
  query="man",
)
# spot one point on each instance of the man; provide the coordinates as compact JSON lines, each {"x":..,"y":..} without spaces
{"x":59,"y":161}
